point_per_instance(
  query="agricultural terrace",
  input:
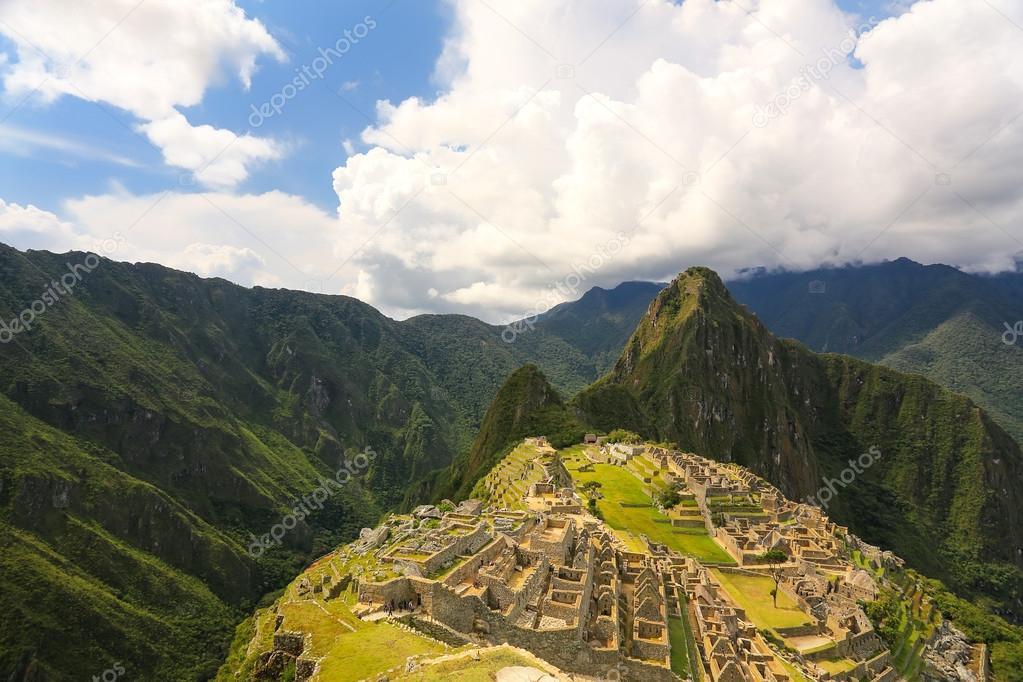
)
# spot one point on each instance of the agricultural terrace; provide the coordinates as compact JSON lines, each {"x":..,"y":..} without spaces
{"x":478,"y":665}
{"x":505,"y":486}
{"x":351,"y":649}
{"x":627,"y":507}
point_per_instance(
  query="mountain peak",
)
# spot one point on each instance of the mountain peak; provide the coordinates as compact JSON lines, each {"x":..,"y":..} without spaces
{"x":525,"y":405}
{"x":695,"y":289}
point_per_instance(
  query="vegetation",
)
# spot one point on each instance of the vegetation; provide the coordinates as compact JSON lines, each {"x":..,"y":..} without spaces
{"x":773,"y":556}
{"x":795,"y":418}
{"x":669,"y":498}
{"x":526,"y":405}
{"x":156,"y":423}
{"x":623,"y":436}
{"x":944,"y":324}
{"x":627,"y":508}
{"x":677,"y":636}
{"x":753,"y":593}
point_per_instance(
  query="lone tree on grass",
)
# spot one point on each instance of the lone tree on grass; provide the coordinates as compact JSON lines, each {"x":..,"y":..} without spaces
{"x":775,"y":557}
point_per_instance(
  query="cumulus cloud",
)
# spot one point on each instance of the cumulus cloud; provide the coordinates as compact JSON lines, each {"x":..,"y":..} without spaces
{"x":271,"y":239}
{"x":147,"y":58}
{"x":30,"y":227}
{"x":791,"y":136}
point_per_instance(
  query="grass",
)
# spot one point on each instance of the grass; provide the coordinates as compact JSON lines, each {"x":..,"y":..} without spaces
{"x":753,"y":593}
{"x":353,"y":649}
{"x":465,"y":669}
{"x":678,"y":638}
{"x":836,"y":666}
{"x":619,"y":487}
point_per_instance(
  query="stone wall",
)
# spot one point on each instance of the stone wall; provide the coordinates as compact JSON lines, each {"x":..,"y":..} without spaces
{"x":462,"y":545}
{"x":398,"y":589}
{"x":470,"y":568}
{"x":650,"y":650}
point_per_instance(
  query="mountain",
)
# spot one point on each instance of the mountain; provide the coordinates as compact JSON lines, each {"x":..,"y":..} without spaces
{"x":213,"y":410}
{"x":945,"y":492}
{"x":933,"y":320}
{"x":599,"y":323}
{"x":526,"y":405}
{"x":157,"y":425}
{"x":167,"y":442}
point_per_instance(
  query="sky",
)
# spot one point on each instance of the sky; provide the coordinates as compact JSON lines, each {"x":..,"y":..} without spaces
{"x":495,"y":157}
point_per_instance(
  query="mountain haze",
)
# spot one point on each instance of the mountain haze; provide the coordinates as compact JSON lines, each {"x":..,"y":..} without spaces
{"x":933,"y":320}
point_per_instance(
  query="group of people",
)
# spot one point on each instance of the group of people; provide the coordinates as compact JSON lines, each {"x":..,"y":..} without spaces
{"x":402,"y":605}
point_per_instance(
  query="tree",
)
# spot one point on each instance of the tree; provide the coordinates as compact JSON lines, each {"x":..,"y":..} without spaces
{"x":669,"y":498}
{"x":775,"y":557}
{"x":623,"y":436}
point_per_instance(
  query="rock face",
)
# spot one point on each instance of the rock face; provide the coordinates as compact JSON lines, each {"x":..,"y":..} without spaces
{"x":948,"y":657}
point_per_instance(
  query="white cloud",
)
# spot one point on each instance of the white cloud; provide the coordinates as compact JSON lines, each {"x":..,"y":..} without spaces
{"x":272,"y":239}
{"x":217,"y":157}
{"x":221,"y":260}
{"x":147,"y":58}
{"x":29,"y":227}
{"x":491,"y":193}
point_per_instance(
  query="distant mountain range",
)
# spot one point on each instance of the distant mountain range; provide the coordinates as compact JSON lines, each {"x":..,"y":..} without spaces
{"x":948,"y":325}
{"x":933,"y":320}
{"x":154,"y":425}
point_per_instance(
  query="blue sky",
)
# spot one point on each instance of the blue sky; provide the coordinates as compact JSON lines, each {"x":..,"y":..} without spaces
{"x":394,"y":62}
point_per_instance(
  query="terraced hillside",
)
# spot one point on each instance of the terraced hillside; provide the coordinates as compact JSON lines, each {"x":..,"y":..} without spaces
{"x":575,"y":564}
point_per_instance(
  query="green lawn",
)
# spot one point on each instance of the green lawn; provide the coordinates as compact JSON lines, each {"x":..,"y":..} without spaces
{"x":679,"y":638}
{"x":619,"y":487}
{"x":753,"y":593}
{"x":350,"y":656}
{"x":679,"y":647}
{"x":836,"y":666}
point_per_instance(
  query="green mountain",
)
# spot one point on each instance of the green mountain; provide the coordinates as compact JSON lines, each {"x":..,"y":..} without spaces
{"x":599,"y":323}
{"x":945,"y":491}
{"x":932,"y":320}
{"x":183,"y":419}
{"x":526,"y":405}
{"x":158,"y":431}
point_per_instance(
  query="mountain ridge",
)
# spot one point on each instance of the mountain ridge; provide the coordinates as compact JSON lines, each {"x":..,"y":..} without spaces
{"x":794,"y":417}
